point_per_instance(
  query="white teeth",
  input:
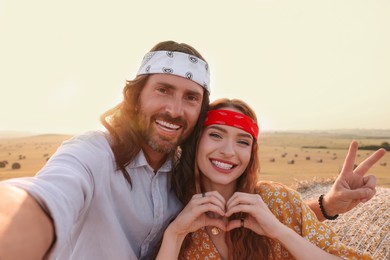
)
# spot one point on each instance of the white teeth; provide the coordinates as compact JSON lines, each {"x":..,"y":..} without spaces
{"x":168,"y":125}
{"x":222,"y":165}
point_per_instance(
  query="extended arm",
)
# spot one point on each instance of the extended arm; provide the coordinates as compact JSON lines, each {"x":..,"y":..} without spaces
{"x":351,"y":186}
{"x":26,"y":231}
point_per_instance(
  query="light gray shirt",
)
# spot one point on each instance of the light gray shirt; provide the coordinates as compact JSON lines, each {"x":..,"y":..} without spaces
{"x":95,"y":212}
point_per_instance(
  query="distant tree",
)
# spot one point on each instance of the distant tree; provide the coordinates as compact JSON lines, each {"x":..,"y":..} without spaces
{"x":385,"y":144}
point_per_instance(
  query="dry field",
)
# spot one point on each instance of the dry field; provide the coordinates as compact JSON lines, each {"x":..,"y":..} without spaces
{"x":278,"y":149}
{"x":367,"y":227}
{"x":31,"y":153}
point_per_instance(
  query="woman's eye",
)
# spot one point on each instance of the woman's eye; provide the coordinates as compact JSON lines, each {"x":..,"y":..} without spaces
{"x":214,"y":135}
{"x":243,"y":142}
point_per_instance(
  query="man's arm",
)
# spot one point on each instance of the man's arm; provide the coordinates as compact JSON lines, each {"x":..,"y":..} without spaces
{"x":26,"y":231}
{"x":351,"y":186}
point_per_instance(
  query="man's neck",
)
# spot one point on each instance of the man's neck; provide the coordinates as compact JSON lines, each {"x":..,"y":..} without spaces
{"x":155,"y":159}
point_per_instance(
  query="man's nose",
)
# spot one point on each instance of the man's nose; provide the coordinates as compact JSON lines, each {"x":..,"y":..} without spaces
{"x":175,"y":107}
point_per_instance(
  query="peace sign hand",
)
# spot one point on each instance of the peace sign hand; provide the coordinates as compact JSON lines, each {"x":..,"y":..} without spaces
{"x":352,"y":186}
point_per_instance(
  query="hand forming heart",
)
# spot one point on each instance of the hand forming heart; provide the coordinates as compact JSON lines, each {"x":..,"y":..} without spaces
{"x":210,"y":209}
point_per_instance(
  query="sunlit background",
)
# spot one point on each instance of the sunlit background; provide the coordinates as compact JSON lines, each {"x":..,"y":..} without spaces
{"x":302,"y":65}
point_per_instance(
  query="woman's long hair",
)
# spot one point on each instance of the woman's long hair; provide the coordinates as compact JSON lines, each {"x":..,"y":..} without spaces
{"x":120,"y":121}
{"x":242,"y":243}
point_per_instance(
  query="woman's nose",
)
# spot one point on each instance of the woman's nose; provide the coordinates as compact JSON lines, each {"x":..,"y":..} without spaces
{"x":227,"y":148}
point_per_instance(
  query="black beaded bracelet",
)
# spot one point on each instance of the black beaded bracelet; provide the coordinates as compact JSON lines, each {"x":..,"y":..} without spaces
{"x":320,"y":199}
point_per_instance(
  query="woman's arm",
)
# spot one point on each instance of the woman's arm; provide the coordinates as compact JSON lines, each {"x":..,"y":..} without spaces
{"x":262,"y":221}
{"x":171,"y":244}
{"x":298,"y":246}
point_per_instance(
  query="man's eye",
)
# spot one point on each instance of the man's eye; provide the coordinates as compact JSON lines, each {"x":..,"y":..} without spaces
{"x":162,"y":90}
{"x":192,"y":98}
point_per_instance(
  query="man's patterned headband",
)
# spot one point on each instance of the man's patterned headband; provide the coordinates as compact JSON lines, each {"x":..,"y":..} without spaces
{"x":177,"y":63}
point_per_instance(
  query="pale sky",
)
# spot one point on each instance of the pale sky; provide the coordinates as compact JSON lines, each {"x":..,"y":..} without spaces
{"x":302,"y":65}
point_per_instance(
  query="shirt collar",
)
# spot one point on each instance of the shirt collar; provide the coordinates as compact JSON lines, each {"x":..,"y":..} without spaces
{"x":140,"y":161}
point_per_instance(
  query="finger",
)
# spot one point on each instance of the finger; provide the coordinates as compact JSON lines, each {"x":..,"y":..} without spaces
{"x":242,"y":198}
{"x":245,"y":208}
{"x":218,"y":195}
{"x":349,"y":161}
{"x":359,"y":194}
{"x":369,"y":181}
{"x":202,"y":205}
{"x":215,"y":223}
{"x":210,"y":197}
{"x":209,"y":207}
{"x":234,"y":224}
{"x":369,"y":162}
{"x":215,"y":195}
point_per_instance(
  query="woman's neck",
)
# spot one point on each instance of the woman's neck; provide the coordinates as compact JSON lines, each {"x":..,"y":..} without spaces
{"x":225,"y":190}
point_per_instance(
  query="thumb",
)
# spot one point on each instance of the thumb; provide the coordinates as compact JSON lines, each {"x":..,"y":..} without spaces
{"x":216,"y":223}
{"x":233,"y":224}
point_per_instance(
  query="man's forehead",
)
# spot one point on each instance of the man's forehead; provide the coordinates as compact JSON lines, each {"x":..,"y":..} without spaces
{"x":177,"y":82}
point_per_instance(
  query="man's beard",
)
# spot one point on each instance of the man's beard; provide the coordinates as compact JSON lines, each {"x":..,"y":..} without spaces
{"x":157,"y":142}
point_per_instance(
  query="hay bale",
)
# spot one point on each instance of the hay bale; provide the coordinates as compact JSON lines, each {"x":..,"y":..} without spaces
{"x":366,"y":227}
{"x":16,"y":166}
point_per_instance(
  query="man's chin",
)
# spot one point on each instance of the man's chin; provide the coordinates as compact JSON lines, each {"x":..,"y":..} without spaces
{"x":163,"y":147}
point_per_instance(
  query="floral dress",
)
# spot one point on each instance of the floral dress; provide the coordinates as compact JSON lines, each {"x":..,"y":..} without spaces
{"x":288,"y":206}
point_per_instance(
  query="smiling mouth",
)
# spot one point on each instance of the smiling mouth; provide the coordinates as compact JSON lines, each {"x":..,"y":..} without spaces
{"x":168,"y":126}
{"x":223,"y":165}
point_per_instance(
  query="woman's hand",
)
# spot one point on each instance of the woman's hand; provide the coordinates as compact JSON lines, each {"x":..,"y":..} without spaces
{"x":352,"y":185}
{"x":258,"y":217}
{"x":194,"y":215}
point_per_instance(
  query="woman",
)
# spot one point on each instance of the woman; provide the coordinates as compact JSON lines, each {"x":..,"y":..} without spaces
{"x":229,"y":214}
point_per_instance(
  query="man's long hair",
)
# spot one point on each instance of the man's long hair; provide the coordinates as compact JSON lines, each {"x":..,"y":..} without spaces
{"x":242,"y":243}
{"x":120,"y":121}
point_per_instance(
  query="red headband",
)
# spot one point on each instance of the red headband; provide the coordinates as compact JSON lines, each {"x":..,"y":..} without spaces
{"x":231,"y":118}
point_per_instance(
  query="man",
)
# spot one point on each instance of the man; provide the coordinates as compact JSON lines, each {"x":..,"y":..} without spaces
{"x":107,"y":195}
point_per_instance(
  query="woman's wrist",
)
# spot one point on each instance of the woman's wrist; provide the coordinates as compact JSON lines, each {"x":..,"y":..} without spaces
{"x":171,"y":244}
{"x":326,"y":209}
{"x":279,"y":233}
{"x":172,"y":234}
